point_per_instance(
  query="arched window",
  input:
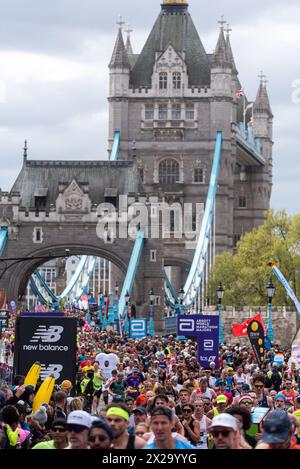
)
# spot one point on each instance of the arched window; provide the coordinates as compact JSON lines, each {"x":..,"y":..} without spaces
{"x":169,"y":172}
{"x":163,"y":81}
{"x":176,"y":81}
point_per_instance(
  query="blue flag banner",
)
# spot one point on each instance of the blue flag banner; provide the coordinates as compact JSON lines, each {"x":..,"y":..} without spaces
{"x":206,"y":329}
{"x":286,"y":285}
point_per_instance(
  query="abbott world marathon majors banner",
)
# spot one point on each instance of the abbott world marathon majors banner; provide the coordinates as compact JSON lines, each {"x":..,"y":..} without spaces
{"x":48,"y":340}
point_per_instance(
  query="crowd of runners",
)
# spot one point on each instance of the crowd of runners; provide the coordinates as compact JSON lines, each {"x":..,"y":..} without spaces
{"x":155,"y":395}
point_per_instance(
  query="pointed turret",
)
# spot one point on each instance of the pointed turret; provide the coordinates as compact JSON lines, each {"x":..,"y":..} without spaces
{"x":220,"y":57}
{"x":25,"y":152}
{"x":229,"y":52}
{"x":119,"y":57}
{"x":129,"y":48}
{"x":262,"y":102}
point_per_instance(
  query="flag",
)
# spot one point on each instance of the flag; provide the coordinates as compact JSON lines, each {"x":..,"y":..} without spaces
{"x":4,"y":306}
{"x":286,"y":285}
{"x":256,"y":336}
{"x":240,"y":93}
{"x":241,"y":329}
{"x":250,"y":106}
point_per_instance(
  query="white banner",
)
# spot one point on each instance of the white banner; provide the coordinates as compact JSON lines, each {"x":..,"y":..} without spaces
{"x":289,"y":290}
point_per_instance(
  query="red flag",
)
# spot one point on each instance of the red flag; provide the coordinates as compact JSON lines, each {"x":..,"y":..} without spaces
{"x":241,"y":329}
{"x":4,"y":306}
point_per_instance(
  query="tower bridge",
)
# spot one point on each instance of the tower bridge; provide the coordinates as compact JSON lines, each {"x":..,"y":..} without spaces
{"x":181,"y":130}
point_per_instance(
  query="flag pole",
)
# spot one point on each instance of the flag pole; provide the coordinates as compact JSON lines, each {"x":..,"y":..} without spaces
{"x":244,"y":107}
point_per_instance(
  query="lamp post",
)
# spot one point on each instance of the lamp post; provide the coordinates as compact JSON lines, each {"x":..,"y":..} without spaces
{"x":104,"y":318}
{"x":111,"y":312}
{"x":179,"y":308}
{"x":126,"y":325}
{"x":271,"y":291}
{"x":220,"y":295}
{"x":116,"y":307}
{"x":100,"y":310}
{"x":151,"y":317}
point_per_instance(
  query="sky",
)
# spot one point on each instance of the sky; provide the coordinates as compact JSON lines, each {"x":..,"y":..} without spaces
{"x":54,"y":75}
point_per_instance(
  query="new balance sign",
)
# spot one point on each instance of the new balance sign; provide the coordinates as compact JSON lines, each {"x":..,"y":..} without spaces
{"x":48,"y":340}
{"x":52,"y":334}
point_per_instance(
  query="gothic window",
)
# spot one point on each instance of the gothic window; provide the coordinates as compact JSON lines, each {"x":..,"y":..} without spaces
{"x":190,"y":112}
{"x":176,"y":81}
{"x":172,"y":221}
{"x":149,"y":112}
{"x":198,"y":175}
{"x":236,"y":239}
{"x":163,"y":81}
{"x":242,"y":202}
{"x":141,"y":172}
{"x":176,"y":112}
{"x":163,"y":112}
{"x":169,"y":172}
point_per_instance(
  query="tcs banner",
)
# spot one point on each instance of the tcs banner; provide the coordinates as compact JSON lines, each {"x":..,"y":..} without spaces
{"x":206,"y":329}
{"x":48,"y":340}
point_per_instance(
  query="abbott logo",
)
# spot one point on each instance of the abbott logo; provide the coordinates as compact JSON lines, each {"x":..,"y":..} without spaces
{"x":138,"y":326}
{"x":54,"y":370}
{"x":187,"y":325}
{"x":209,"y":345}
{"x":53,"y":334}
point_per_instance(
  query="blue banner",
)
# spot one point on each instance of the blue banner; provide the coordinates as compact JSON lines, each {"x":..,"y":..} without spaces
{"x":138,"y":328}
{"x":206,"y":329}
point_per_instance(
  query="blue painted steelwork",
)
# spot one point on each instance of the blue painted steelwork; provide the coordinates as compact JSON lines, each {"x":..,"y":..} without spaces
{"x":131,"y":272}
{"x":45,"y":286}
{"x":193,"y":282}
{"x":246,"y":140}
{"x":37,"y":292}
{"x":114,"y":156}
{"x":3,"y":238}
{"x":86,"y":274}
{"x":75,"y":277}
{"x":170,"y":287}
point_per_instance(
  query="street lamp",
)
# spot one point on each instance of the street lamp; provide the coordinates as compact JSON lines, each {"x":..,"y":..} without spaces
{"x":220,"y":295}
{"x":104,"y":320}
{"x":271,"y":291}
{"x":178,"y":310}
{"x":127,"y":316}
{"x":116,"y":307}
{"x":151,"y":318}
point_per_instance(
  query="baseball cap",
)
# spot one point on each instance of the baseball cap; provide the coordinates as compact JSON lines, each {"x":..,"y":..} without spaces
{"x":140,"y":409}
{"x":79,"y":417}
{"x":222,"y":399}
{"x":276,"y":427}
{"x":245,"y":387}
{"x":59,"y":422}
{"x":280,"y":396}
{"x":245,"y":399}
{"x":224,"y":420}
{"x":135,"y":370}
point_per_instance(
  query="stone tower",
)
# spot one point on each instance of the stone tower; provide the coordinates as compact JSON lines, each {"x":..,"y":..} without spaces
{"x":169,"y":101}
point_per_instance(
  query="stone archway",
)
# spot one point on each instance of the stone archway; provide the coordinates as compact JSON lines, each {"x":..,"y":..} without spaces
{"x":19,"y":275}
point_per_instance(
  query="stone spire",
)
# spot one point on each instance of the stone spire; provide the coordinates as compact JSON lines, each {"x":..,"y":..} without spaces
{"x":220,"y":57}
{"x":129,"y":49}
{"x":229,"y":50}
{"x":119,"y":57}
{"x":262,"y":103}
{"x":25,"y":152}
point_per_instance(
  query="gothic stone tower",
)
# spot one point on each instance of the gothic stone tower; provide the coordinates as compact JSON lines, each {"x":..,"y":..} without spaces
{"x":169,"y":101}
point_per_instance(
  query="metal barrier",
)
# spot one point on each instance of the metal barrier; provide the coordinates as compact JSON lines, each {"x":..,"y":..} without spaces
{"x":170,"y":326}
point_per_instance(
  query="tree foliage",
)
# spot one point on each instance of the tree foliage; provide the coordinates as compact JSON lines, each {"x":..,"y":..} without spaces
{"x":245,"y":274}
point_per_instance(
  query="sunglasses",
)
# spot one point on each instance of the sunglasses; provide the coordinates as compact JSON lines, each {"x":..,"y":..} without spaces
{"x":224,"y":433}
{"x":247,"y":402}
{"x":101,"y":438}
{"x":76,"y":428}
{"x":259,"y":386}
{"x":58,"y":429}
{"x":187,"y":411}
